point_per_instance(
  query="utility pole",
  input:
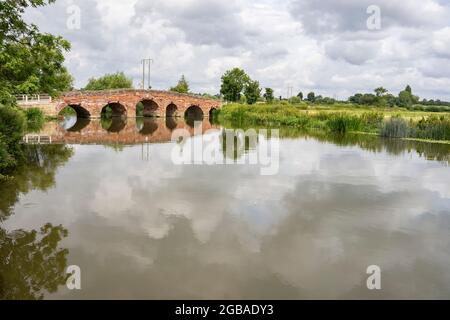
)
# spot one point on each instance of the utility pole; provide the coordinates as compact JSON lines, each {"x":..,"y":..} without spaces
{"x":290,"y":91}
{"x":143,"y":73}
{"x":144,"y":61}
{"x":150,"y":61}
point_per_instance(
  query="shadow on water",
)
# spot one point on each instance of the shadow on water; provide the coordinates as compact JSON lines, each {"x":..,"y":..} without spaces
{"x":26,"y":254}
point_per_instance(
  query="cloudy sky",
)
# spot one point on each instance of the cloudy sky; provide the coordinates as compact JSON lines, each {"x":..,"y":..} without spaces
{"x":324,"y":46}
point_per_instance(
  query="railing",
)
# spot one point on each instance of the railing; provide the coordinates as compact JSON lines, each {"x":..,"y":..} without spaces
{"x":28,"y":99}
{"x":37,"y":139}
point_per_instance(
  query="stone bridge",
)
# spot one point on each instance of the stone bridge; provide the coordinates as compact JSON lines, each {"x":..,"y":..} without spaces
{"x":91,"y":104}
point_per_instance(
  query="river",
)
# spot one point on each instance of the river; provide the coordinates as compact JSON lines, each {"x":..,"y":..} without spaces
{"x":108,"y":197}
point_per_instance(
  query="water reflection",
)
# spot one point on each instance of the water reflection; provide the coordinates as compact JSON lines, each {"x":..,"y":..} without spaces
{"x":117,"y":130}
{"x":147,"y":126}
{"x":120,"y":130}
{"x":32,"y":263}
{"x":153,"y":229}
{"x":114,"y":124}
{"x":171,"y":123}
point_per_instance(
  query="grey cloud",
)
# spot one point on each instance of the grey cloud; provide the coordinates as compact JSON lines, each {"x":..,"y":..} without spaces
{"x":356,"y":52}
{"x":433,"y":68}
{"x":203,"y":22}
{"x":90,"y":32}
{"x":329,"y":16}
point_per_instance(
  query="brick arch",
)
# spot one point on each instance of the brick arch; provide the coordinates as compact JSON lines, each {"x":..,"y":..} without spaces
{"x":118,"y":108}
{"x":194,"y":112}
{"x":211,"y":111}
{"x":151,"y":107}
{"x":172,"y":110}
{"x":81,"y":111}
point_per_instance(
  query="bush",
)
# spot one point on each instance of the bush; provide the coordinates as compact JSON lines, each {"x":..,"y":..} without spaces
{"x":372,"y":120}
{"x":12,"y":128}
{"x":295,"y":100}
{"x":35,"y":119}
{"x":12,"y":124}
{"x":6,"y":159}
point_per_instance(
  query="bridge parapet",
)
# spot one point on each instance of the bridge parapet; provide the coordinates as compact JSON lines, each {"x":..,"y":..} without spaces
{"x":31,"y":99}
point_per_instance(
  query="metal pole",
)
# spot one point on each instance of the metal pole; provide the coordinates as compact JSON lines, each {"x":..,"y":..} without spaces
{"x":149,"y":72}
{"x":150,"y":60}
{"x":143,"y":74}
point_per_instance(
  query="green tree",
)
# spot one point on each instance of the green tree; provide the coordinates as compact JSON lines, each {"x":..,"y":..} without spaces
{"x":380,"y":91}
{"x":406,"y":98}
{"x":268,"y":95}
{"x":300,"y":95}
{"x":233,"y":83}
{"x":31,"y":61}
{"x":252,"y":91}
{"x":116,"y":80}
{"x":182,"y":86}
{"x":311,"y":97}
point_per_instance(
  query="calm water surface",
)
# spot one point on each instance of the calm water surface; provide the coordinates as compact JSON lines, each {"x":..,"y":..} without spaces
{"x":108,"y":198}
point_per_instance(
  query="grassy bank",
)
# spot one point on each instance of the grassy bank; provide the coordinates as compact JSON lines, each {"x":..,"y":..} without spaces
{"x":393,"y":122}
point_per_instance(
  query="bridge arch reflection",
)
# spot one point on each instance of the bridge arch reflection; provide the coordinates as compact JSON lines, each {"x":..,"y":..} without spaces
{"x":147,"y":126}
{"x":119,"y":130}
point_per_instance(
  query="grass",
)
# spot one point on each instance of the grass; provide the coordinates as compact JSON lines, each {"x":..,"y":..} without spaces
{"x":343,"y":118}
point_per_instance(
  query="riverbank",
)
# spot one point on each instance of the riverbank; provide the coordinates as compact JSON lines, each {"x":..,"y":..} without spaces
{"x":392,"y":123}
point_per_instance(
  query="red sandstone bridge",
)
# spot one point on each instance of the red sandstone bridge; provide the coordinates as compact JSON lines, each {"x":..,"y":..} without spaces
{"x":91,"y":104}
